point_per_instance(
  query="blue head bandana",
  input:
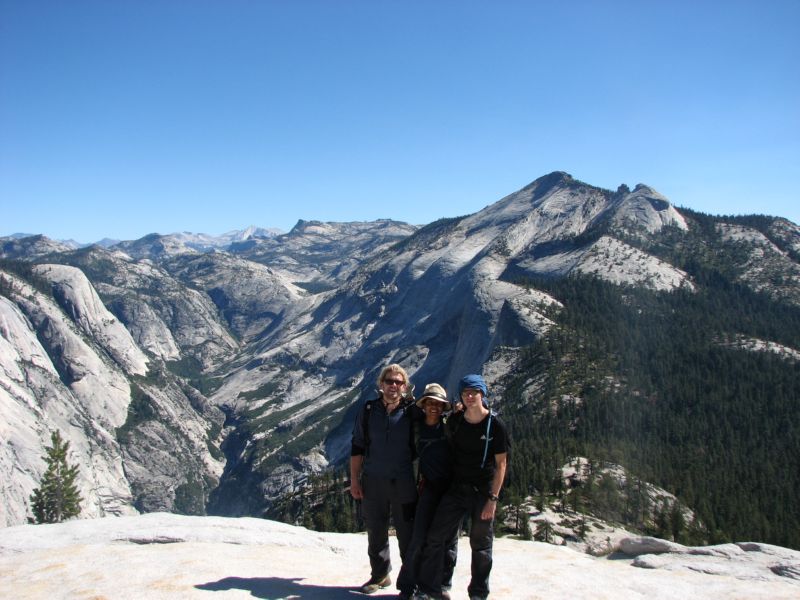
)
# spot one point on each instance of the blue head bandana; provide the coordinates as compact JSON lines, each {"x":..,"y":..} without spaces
{"x":474,"y":382}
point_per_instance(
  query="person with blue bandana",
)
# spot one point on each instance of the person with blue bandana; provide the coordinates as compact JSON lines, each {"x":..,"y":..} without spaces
{"x":480,"y":446}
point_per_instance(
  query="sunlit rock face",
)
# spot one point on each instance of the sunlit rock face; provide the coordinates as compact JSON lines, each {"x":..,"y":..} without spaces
{"x":140,"y":438}
{"x":55,"y":378}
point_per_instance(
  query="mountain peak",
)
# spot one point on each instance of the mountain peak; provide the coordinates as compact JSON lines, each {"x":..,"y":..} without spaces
{"x":557,"y":176}
{"x":642,"y":188}
{"x":31,"y":246}
{"x":303,"y":224}
{"x":550,"y":180}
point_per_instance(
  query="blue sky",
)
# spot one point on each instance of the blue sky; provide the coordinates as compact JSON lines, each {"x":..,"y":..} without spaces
{"x":122,"y":118}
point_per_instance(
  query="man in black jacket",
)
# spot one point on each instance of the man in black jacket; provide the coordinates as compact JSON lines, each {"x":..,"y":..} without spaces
{"x":382,"y":474}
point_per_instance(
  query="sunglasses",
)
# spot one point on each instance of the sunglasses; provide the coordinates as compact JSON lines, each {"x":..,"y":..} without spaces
{"x":394,"y":382}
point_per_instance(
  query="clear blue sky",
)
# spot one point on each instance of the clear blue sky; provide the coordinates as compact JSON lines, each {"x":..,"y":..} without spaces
{"x":119,"y":118}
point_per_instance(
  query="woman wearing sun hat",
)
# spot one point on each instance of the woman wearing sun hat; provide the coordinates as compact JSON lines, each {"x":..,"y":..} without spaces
{"x":435,"y":472}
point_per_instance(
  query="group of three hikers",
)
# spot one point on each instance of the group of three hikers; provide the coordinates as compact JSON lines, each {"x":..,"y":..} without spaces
{"x":461,"y":467}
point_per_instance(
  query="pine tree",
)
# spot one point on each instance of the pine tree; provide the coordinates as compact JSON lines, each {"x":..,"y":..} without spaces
{"x":677,"y":522}
{"x":525,"y":531}
{"x":545,"y":531}
{"x":661,"y":518}
{"x":57,"y":499}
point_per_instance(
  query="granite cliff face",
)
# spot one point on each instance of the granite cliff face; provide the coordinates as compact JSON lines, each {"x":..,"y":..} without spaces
{"x":192,"y":375}
{"x":142,"y":437}
{"x":53,"y":377}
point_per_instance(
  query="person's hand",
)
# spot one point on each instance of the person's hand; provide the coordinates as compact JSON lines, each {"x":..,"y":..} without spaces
{"x":356,"y":491}
{"x":487,"y":514}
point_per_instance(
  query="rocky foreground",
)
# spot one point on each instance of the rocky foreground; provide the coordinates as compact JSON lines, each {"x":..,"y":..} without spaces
{"x":161,"y":555}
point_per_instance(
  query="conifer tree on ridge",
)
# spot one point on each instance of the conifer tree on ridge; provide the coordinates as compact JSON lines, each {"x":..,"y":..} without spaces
{"x":57,"y":498}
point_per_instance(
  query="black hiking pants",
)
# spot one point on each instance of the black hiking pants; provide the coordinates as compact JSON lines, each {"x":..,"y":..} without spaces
{"x":427,"y":504}
{"x":386,"y":499}
{"x":459,"y":501}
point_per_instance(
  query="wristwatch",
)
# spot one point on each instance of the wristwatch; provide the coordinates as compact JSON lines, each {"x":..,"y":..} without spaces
{"x":493,"y":497}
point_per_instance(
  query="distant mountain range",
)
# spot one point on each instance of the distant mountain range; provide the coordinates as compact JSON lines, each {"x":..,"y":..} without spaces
{"x":200,"y":375}
{"x":202,"y":242}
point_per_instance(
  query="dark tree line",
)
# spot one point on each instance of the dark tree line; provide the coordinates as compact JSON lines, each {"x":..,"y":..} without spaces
{"x":646,"y":380}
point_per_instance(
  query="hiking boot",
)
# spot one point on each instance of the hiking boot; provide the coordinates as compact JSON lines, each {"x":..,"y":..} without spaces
{"x":376,"y":583}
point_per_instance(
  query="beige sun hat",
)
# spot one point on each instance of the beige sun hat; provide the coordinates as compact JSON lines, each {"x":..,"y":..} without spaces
{"x":435,"y":392}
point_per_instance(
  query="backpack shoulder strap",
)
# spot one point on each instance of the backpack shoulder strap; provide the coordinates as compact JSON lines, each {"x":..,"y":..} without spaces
{"x":452,"y":423}
{"x":413,"y":426}
{"x":413,"y":435}
{"x":368,"y":405}
{"x":486,"y":446}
